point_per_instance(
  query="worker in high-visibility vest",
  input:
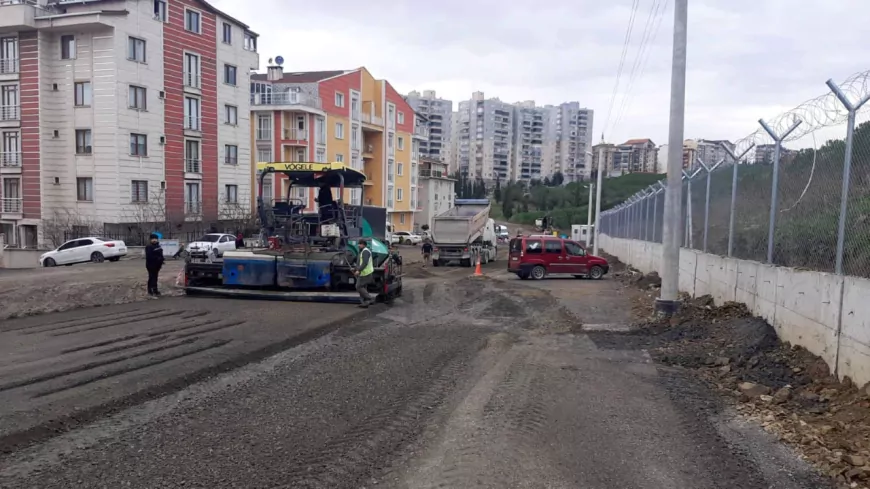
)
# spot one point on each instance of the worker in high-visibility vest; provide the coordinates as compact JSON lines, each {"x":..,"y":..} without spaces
{"x":363,"y":273}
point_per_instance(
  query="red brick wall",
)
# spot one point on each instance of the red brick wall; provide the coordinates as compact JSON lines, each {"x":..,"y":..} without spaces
{"x":401,"y":106}
{"x":29,"y":94}
{"x":177,"y":40}
{"x":343,"y":84}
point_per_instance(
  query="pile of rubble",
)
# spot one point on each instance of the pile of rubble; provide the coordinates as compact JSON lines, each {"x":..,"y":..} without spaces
{"x":790,"y":391}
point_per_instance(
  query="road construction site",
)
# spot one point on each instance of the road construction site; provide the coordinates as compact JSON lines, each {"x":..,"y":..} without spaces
{"x":464,"y":381}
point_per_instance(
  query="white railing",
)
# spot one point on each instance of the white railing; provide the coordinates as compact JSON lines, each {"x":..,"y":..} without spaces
{"x":10,"y":159}
{"x":193,"y":122}
{"x":295,"y":133}
{"x":264,"y":134}
{"x":286,"y":98}
{"x":192,"y":80}
{"x":390,"y":177}
{"x":12,"y":206}
{"x":193,"y":207}
{"x":421,"y":131}
{"x":192,"y":165}
{"x":8,"y":66}
{"x":372,"y":119}
{"x":10,"y":112}
{"x":433,"y":173}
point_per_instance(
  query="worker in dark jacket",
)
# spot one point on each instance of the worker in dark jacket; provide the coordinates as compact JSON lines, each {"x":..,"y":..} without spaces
{"x":153,"y":263}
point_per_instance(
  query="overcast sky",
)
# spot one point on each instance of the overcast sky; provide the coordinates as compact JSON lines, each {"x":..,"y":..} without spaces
{"x":747,"y":58}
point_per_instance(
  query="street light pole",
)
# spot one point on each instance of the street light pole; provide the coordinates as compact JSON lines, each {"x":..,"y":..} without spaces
{"x":589,"y":216}
{"x":668,"y":301}
{"x":598,"y":201}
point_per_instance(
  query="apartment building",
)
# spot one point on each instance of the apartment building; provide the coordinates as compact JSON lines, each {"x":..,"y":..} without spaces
{"x":437,"y":190}
{"x":438,"y":112}
{"x":345,"y":116}
{"x":711,"y":151}
{"x":522,"y":141}
{"x":642,"y":156}
{"x":606,"y":153}
{"x":120,"y":112}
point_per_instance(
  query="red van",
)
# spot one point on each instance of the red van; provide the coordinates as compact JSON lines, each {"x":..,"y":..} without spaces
{"x":537,"y":256}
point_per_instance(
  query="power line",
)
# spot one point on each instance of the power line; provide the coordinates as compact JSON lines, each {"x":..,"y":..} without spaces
{"x":642,"y":59}
{"x":625,"y":45}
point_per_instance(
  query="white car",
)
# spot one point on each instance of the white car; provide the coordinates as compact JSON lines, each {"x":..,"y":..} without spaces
{"x":212,"y":246}
{"x":83,"y":250}
{"x":406,"y":237}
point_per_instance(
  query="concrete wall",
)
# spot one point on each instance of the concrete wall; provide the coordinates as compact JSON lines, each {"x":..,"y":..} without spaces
{"x":822,"y":312}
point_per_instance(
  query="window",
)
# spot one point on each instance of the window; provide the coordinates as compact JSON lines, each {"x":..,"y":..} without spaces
{"x":390,"y":170}
{"x":67,"y":47}
{"x":339,"y":99}
{"x":401,"y":143}
{"x":191,"y":113}
{"x":139,"y":191}
{"x":137,"y":98}
{"x":264,"y":155}
{"x":160,"y":10}
{"x":231,"y":154}
{"x":401,"y":117}
{"x":401,"y":216}
{"x":391,"y":116}
{"x":192,"y":163}
{"x":320,"y":156}
{"x":553,"y":246}
{"x":85,"y":189}
{"x":231,"y":115}
{"x":232,"y":194}
{"x":230,"y":75}
{"x":354,"y":137}
{"x":9,"y":55}
{"x":339,"y":157}
{"x":192,"y":21}
{"x":320,"y":130}
{"x":400,"y":193}
{"x":191,"y":198}
{"x":138,"y":145}
{"x":400,"y":169}
{"x":136,"y":49}
{"x":84,"y":94}
{"x":228,"y":33}
{"x":264,"y":127}
{"x":83,"y":142}
{"x":534,"y":246}
{"x":339,"y":130}
{"x":574,"y":249}
{"x":389,"y":196}
{"x":250,"y":42}
{"x":191,"y":70}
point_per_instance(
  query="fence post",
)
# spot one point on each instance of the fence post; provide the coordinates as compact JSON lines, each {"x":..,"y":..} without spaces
{"x":777,"y":151}
{"x":659,"y":190}
{"x":847,"y":170}
{"x":646,"y":219}
{"x":709,"y":171}
{"x":737,"y":160}
{"x":690,"y":239}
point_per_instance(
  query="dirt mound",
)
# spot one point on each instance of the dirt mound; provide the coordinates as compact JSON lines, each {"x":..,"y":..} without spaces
{"x":788,"y":389}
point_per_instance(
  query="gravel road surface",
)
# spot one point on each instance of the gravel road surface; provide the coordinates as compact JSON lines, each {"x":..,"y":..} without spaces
{"x":466,"y":382}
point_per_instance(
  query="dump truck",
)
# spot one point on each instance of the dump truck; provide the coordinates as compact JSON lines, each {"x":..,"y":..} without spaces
{"x":464,"y":234}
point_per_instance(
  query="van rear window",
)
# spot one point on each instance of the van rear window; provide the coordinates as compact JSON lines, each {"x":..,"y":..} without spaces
{"x":516,"y":245}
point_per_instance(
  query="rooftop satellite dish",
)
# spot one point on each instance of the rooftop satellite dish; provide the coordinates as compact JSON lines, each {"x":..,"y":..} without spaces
{"x":270,"y":60}
{"x":279,"y":60}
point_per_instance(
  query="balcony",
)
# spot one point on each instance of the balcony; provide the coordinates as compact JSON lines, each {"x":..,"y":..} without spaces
{"x":9,"y":66}
{"x":10,"y":159}
{"x":286,"y":99}
{"x":10,"y":112}
{"x":193,"y":123}
{"x":421,"y":132}
{"x":192,"y":80}
{"x":194,"y":207}
{"x":192,"y":165}
{"x":433,"y":173}
{"x":11,"y":205}
{"x":372,"y":119}
{"x":263,"y":134}
{"x":295,"y":134}
{"x":18,"y":15}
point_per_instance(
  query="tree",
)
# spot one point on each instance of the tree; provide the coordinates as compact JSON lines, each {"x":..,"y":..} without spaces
{"x":497,"y":192}
{"x":507,"y":206}
{"x":64,"y":224}
{"x":238,"y":216}
{"x":557,"y":179}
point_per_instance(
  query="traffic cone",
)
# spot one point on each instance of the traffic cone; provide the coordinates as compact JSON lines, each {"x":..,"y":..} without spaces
{"x":477,"y":271}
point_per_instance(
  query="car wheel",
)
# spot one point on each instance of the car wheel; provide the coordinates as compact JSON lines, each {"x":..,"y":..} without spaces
{"x":49,"y":262}
{"x":596,"y":273}
{"x":114,"y":259}
{"x":97,"y":257}
{"x":539,"y":272}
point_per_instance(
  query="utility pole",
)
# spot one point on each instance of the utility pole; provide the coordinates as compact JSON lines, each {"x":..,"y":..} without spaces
{"x":589,"y":216}
{"x":668,"y":301}
{"x":598,"y":199}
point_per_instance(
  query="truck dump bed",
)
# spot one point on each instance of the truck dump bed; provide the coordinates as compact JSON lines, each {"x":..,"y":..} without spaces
{"x":462,"y":223}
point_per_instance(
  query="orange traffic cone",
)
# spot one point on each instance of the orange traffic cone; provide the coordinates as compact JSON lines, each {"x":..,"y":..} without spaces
{"x":477,"y":271}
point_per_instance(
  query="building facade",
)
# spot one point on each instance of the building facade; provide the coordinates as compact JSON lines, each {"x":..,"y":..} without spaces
{"x":119,"y":113}
{"x":642,"y":156}
{"x":497,"y":140}
{"x":345,"y":116}
{"x":437,"y":190}
{"x":712,"y":151}
{"x":439,"y":114}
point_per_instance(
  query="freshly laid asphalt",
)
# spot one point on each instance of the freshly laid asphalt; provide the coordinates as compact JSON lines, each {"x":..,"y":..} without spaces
{"x":465,"y":382}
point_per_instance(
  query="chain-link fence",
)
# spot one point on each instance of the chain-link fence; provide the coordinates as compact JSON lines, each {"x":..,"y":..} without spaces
{"x":756,"y":199}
